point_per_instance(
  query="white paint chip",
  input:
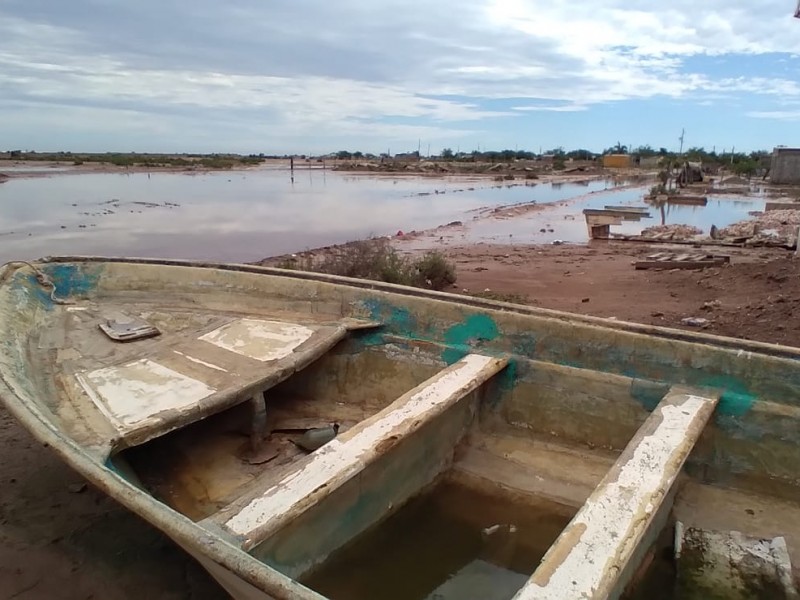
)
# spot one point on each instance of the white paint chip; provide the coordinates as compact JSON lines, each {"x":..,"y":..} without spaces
{"x":137,"y":391}
{"x":259,"y":339}
{"x":338,"y":459}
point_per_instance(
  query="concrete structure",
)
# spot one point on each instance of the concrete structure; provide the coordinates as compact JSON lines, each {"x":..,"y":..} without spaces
{"x":785,"y":167}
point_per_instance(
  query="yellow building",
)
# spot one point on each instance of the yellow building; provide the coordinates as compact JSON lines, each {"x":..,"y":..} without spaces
{"x":617,"y":161}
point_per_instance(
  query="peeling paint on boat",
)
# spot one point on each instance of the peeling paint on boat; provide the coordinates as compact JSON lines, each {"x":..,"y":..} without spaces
{"x":258,"y":339}
{"x":140,"y":390}
{"x":200,"y":362}
{"x":338,"y":458}
{"x":604,"y":533}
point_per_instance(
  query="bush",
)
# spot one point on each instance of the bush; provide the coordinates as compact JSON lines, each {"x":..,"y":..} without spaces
{"x":378,"y":260}
{"x":435,"y":271}
{"x":559,"y":164}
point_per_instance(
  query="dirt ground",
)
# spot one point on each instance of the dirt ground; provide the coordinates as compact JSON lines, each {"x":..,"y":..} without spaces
{"x":62,"y":539}
{"x":756,"y":296}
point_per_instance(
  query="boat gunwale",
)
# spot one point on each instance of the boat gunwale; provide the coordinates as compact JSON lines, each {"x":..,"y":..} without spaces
{"x":765,"y":348}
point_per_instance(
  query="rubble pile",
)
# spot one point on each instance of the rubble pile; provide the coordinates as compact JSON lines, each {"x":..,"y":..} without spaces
{"x":776,"y":224}
{"x":675,"y":232}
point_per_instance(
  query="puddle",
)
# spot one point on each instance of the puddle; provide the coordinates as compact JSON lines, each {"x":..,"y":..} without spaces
{"x":563,"y":219}
{"x":435,"y":547}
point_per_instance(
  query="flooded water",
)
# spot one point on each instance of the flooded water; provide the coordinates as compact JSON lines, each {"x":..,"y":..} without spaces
{"x":438,"y":543}
{"x":564,"y":220}
{"x":247,"y":215}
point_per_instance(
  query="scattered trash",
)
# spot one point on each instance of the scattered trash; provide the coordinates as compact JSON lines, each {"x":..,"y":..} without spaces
{"x":316,"y":438}
{"x":711,"y":305}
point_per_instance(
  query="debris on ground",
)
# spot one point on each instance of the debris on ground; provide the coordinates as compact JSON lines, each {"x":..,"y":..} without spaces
{"x":673,"y":232}
{"x":776,"y":224}
{"x":695,"y":322}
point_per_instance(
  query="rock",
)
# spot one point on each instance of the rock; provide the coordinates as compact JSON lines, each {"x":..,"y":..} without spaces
{"x":77,"y":488}
{"x":656,"y":314}
{"x":585,"y":300}
{"x":695,"y":322}
{"x":711,"y":305}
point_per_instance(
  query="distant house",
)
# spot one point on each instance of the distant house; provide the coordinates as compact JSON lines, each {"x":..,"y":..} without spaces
{"x":617,"y":161}
{"x":785,"y":166}
{"x":407,"y":157}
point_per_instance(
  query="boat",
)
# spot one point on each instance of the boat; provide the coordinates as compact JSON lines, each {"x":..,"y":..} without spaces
{"x":276,"y":424}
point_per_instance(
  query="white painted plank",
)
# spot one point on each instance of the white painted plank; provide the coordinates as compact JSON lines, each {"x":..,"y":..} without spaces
{"x":259,"y":339}
{"x":590,"y":556}
{"x":343,"y":457}
{"x":135,"y":392}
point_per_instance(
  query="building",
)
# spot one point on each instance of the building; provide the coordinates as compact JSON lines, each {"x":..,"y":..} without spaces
{"x":785,"y":167}
{"x":617,"y":161}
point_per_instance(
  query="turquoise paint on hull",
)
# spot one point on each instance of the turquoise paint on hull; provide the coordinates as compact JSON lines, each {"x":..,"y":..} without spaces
{"x":734,"y":404}
{"x":69,"y":280}
{"x":460,"y":339}
{"x":476,"y":330}
{"x":463,"y":338}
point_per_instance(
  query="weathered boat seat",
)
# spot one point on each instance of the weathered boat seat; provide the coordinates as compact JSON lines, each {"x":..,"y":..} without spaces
{"x":179,"y":383}
{"x":600,"y":549}
{"x":263,"y":511}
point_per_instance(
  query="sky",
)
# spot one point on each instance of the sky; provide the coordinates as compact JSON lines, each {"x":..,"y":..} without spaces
{"x":315,"y":76}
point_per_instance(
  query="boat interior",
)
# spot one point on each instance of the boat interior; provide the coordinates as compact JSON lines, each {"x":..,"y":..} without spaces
{"x":464,"y":449}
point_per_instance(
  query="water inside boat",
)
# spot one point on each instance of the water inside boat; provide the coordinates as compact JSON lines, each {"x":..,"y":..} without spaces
{"x":317,"y":438}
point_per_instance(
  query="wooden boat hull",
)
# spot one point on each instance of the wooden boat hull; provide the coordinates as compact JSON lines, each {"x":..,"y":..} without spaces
{"x":574,"y":393}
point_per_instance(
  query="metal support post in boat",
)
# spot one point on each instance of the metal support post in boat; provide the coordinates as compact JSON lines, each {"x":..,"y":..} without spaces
{"x":258,"y":426}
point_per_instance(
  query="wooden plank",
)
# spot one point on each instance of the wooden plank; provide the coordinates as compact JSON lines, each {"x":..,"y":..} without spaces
{"x":643,"y":265}
{"x":642,"y":209}
{"x":601,"y":548}
{"x":263,"y":512}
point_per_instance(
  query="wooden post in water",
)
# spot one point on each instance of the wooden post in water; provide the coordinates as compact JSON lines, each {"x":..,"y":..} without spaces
{"x":797,"y":244}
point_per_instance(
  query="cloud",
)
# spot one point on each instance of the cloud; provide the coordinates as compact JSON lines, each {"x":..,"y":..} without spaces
{"x":782,"y":115}
{"x":560,"y":108}
{"x":366,"y":71}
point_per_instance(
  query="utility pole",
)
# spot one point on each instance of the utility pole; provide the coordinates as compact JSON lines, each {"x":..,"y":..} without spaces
{"x":683,"y":132}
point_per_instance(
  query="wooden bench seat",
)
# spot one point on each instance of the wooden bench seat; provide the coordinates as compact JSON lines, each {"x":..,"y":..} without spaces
{"x":257,"y":515}
{"x":602,"y":546}
{"x":182,"y":382}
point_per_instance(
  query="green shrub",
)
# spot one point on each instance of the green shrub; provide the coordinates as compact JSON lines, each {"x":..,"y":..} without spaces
{"x":378,"y":260}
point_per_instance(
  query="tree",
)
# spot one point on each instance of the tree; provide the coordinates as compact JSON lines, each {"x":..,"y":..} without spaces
{"x":448,"y":154}
{"x":746,"y":167}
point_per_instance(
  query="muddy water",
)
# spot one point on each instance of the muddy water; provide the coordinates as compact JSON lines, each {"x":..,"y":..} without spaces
{"x":247,"y":215}
{"x":434,"y":537}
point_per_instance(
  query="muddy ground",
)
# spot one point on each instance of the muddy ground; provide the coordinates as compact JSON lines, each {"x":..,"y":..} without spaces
{"x":62,"y":539}
{"x":756,"y":296}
